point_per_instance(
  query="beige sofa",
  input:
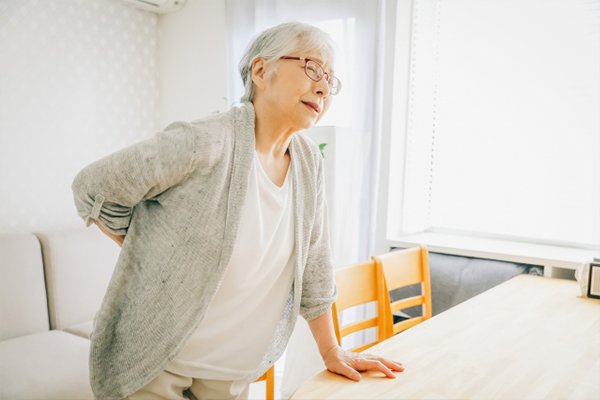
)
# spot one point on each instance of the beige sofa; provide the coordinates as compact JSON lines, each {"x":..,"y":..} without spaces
{"x":51,"y":285}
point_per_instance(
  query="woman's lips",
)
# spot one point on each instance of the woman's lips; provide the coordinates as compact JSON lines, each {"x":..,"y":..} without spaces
{"x":315,"y":111}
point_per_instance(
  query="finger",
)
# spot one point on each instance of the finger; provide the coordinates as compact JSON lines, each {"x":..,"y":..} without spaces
{"x":378,"y":366}
{"x":388,"y":363}
{"x":393,"y":365}
{"x":344,"y":369}
{"x":379,"y":358}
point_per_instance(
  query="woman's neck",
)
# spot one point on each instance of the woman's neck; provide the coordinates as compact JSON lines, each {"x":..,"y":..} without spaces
{"x":272,"y":136}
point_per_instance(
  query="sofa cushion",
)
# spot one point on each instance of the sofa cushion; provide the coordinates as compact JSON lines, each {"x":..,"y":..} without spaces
{"x":23,"y":304}
{"x":48,"y":365}
{"x":79,"y":263}
{"x":84,"y":330}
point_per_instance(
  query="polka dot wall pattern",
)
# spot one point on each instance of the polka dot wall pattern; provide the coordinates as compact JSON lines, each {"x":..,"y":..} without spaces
{"x":78,"y":81}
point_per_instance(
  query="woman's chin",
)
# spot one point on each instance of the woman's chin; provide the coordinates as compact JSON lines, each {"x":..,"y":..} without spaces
{"x":309,"y":124}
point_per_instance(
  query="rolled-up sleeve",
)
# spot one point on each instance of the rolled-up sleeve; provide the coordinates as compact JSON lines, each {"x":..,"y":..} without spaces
{"x":319,"y":290}
{"x":108,"y":189}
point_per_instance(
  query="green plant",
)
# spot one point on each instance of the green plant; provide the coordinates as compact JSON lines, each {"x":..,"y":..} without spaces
{"x":321,"y":146}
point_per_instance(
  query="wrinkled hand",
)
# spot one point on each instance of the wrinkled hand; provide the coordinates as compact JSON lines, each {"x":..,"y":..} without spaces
{"x":347,"y":363}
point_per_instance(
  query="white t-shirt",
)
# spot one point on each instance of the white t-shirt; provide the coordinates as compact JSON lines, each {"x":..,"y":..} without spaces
{"x":241,"y":320}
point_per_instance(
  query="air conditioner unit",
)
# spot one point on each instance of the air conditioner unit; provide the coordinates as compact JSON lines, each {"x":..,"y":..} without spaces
{"x":156,"y":6}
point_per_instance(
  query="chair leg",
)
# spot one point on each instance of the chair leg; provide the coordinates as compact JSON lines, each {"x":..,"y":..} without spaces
{"x":271,"y":383}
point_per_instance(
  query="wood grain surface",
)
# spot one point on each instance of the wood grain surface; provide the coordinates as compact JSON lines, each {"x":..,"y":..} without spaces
{"x":528,"y":338}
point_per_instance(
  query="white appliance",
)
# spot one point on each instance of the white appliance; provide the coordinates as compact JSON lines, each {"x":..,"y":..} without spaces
{"x":156,"y":6}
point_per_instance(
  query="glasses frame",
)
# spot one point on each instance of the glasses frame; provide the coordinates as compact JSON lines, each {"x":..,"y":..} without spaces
{"x":306,"y":60}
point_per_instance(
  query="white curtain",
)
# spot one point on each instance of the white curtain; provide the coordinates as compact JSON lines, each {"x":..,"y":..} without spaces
{"x":356,"y":27}
{"x":504,"y":120}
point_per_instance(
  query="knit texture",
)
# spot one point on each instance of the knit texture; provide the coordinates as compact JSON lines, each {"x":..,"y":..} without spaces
{"x":178,"y":198}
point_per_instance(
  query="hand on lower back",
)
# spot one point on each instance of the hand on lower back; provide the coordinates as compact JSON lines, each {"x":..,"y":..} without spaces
{"x":119,"y":239}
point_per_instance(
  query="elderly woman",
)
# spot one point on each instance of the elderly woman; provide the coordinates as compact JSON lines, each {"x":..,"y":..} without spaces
{"x":222,"y":224}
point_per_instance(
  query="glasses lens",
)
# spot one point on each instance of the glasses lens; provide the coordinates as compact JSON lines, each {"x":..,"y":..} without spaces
{"x":313,"y":71}
{"x":334,"y":85}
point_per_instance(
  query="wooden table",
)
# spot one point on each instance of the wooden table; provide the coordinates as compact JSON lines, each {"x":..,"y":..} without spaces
{"x":528,"y":338}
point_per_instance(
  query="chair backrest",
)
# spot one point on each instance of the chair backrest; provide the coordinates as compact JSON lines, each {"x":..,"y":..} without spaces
{"x":23,"y":303}
{"x":404,"y":268}
{"x":357,"y":284}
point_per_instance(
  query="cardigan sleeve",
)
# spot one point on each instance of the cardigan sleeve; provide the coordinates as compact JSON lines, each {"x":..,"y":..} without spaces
{"x":109,"y":188}
{"x":319,"y":290}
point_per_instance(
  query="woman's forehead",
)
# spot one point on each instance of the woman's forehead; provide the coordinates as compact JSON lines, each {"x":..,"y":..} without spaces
{"x":323,"y":61}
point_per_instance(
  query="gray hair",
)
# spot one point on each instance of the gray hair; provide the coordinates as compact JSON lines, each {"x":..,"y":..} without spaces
{"x":282,"y":40}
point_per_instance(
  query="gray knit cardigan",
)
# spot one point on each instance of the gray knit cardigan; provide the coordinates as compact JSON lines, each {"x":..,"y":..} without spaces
{"x":178,"y":196}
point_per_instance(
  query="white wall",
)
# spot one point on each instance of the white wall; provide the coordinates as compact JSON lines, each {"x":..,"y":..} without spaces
{"x":80,"y":79}
{"x":192,"y":61}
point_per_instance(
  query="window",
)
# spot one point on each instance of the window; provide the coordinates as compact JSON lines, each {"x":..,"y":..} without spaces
{"x":503,"y":129}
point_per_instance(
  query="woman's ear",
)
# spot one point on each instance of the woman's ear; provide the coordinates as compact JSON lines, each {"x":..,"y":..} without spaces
{"x":258,"y":72}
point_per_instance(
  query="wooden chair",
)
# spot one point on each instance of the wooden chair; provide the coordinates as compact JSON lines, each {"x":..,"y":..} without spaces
{"x":269,"y":376}
{"x":359,"y":284}
{"x":403,"y":268}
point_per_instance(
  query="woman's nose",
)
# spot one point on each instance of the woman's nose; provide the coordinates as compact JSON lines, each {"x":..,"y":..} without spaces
{"x":323,"y":86}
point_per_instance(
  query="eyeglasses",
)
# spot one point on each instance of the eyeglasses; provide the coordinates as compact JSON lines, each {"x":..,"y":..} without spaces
{"x":315,"y":72}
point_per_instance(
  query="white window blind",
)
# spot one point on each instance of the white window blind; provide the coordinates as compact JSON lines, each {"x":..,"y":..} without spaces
{"x":504,"y":120}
